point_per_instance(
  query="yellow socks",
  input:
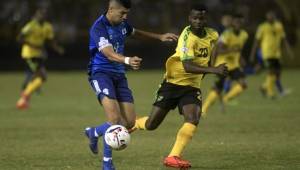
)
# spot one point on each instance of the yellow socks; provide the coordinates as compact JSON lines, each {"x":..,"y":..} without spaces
{"x":270,"y":83}
{"x":184,"y":135}
{"x":236,"y":90}
{"x":211,"y":98}
{"x":32,"y":86}
{"x":141,"y":123}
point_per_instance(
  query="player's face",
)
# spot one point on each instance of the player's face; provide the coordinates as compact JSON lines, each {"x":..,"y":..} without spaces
{"x":270,"y":16}
{"x":119,"y":14}
{"x":226,"y":21}
{"x":197,"y":19}
{"x":41,"y":15}
{"x":237,"y":23}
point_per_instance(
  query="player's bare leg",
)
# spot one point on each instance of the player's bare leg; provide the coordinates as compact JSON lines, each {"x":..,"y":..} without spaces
{"x":152,"y":121}
{"x":128,"y":114}
{"x":37,"y":81}
{"x":236,"y":90}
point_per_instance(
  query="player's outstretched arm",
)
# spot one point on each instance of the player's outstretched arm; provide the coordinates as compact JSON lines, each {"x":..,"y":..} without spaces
{"x":54,"y":45}
{"x":134,"y":62}
{"x":288,"y":48}
{"x":191,"y":67}
{"x":161,"y":37}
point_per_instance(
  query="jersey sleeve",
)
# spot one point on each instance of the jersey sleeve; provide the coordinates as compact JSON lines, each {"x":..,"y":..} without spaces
{"x":215,"y":36}
{"x":27,"y":28}
{"x":186,"y":46}
{"x":99,"y":35}
{"x":281,"y":31}
{"x":259,"y":32}
{"x":225,"y":37}
{"x":49,"y":31}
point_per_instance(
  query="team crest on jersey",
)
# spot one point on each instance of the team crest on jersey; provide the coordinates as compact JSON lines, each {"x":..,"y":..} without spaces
{"x":184,"y":49}
{"x":124,"y":31}
{"x":159,"y":98}
{"x":105,"y":91}
{"x":199,"y":96}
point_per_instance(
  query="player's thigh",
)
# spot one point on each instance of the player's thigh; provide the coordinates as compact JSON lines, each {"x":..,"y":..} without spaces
{"x":156,"y":117}
{"x":104,"y":89}
{"x":191,"y":112}
{"x":219,"y":83}
{"x":190,"y":106}
{"x":167,"y":98}
{"x":112,"y":110}
{"x":274,"y":66}
{"x":239,"y":76}
{"x":38,"y":68}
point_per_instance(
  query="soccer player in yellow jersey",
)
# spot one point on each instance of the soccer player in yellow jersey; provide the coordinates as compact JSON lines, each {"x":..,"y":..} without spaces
{"x":33,"y":36}
{"x":181,"y":85}
{"x":270,"y":36}
{"x":229,"y":49}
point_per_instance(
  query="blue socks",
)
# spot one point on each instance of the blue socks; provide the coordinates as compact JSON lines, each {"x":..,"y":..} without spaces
{"x":279,"y":86}
{"x":100,"y":130}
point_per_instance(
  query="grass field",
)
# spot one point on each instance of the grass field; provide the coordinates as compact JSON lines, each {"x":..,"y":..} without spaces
{"x":256,"y":134}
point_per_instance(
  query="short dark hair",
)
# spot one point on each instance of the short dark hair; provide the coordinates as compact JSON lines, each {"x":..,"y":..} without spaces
{"x":199,"y":7}
{"x":124,"y":3}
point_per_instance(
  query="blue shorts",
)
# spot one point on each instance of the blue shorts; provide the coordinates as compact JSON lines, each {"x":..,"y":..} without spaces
{"x":112,"y":85}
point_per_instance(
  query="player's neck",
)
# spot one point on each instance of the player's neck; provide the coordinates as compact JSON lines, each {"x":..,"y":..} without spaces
{"x":109,"y":18}
{"x":199,"y":32}
{"x":236,"y":31}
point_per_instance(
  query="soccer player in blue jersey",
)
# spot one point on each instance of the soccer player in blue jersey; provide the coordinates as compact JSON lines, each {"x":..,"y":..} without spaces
{"x":107,"y":71}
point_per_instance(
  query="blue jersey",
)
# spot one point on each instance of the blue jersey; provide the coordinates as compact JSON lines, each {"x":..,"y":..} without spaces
{"x":103,"y":34}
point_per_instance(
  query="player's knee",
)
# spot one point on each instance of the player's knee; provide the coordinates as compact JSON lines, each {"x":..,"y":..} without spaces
{"x":151,"y":125}
{"x":244,"y":85}
{"x":130,"y":124}
{"x":194,"y":121}
{"x":44,"y":77}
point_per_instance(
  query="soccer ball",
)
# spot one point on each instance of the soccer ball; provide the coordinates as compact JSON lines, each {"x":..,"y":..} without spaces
{"x":117,"y":137}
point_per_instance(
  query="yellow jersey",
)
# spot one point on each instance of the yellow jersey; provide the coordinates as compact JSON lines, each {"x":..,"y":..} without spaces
{"x":36,"y":34}
{"x":190,"y":47}
{"x":232,"y":40}
{"x":270,"y":35}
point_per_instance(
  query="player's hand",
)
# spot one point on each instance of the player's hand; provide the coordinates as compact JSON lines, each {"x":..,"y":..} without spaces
{"x":222,"y":70}
{"x":168,"y":37}
{"x":135,"y":62}
{"x":60,"y":50}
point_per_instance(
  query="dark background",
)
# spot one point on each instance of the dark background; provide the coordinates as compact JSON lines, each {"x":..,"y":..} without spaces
{"x":73,"y":18}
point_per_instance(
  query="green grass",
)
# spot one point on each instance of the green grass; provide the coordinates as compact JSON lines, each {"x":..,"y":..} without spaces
{"x":256,"y":134}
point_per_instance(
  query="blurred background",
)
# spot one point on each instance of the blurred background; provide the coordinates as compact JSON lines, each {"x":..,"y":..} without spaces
{"x":72,"y":20}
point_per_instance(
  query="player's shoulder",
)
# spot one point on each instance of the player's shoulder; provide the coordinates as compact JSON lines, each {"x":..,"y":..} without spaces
{"x":186,"y":31}
{"x":278,"y":23}
{"x":244,"y":33}
{"x":32,"y":22}
{"x":48,"y":24}
{"x":101,"y":21}
{"x":263,"y":25}
{"x":227,"y":32}
{"x":99,"y":24}
{"x":212,"y":33}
